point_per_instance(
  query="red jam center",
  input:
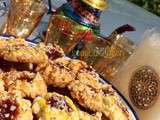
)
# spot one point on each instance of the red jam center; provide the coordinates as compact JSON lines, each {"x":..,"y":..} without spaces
{"x":8,"y":109}
{"x":53,"y":54}
{"x":59,"y":103}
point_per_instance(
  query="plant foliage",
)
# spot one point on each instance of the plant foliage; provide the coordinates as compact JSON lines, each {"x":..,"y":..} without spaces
{"x":151,"y":5}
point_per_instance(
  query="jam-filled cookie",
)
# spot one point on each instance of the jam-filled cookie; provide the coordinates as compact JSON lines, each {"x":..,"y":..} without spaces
{"x":12,"y":108}
{"x":54,"y":107}
{"x":57,"y":73}
{"x":99,"y":98}
{"x":17,"y":50}
{"x":25,"y":84}
{"x":62,"y":71}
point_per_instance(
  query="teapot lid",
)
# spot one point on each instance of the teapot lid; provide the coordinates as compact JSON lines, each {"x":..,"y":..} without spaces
{"x":98,"y":4}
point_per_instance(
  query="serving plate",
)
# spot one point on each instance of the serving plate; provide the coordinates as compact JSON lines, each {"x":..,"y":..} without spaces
{"x":102,"y":79}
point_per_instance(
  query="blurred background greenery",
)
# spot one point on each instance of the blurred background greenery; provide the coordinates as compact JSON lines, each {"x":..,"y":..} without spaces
{"x":151,"y":5}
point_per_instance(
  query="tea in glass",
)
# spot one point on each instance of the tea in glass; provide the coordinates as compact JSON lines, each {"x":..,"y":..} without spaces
{"x":107,"y":55}
{"x":65,"y":32}
{"x":23,"y":17}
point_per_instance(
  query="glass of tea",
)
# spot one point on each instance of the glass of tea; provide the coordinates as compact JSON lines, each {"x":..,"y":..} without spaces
{"x":24,"y":16}
{"x":107,"y":55}
{"x":65,"y":32}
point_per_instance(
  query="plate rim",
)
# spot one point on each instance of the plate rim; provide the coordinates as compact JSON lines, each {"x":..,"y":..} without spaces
{"x":122,"y":97}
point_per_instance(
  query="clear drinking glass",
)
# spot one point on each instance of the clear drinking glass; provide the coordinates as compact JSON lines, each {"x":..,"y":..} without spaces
{"x":64,"y":32}
{"x":23,"y":17}
{"x":107,"y":56}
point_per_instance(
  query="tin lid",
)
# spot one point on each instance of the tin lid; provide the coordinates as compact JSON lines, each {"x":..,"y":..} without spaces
{"x":98,"y":4}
